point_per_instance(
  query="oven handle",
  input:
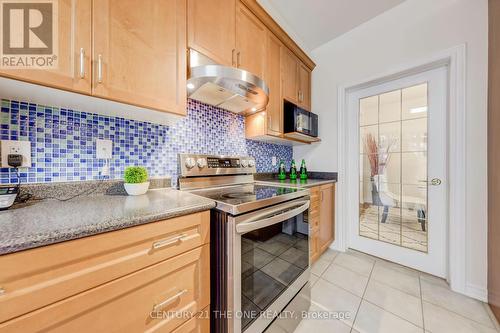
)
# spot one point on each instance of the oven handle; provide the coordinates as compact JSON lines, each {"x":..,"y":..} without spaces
{"x":268,"y":218}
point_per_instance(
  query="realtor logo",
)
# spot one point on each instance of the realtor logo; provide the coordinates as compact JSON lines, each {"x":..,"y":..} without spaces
{"x":29,"y":34}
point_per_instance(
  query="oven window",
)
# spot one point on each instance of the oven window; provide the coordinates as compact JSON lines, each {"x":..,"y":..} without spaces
{"x":271,"y":259}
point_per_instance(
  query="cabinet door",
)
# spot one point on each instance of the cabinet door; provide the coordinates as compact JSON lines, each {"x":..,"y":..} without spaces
{"x":74,"y":51}
{"x":273,"y":79}
{"x":327,"y":222}
{"x":250,"y":42}
{"x":304,"y":87}
{"x":139,"y":53}
{"x":212,"y":29}
{"x":290,"y":76}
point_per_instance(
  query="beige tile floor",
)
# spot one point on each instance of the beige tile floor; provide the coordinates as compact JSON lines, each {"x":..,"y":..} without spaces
{"x":360,"y":293}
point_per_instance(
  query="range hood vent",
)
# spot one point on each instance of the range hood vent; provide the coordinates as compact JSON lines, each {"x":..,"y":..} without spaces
{"x":226,"y":87}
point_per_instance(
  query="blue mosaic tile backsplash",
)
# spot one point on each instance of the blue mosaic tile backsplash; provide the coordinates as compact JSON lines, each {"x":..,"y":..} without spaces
{"x":63,"y":141}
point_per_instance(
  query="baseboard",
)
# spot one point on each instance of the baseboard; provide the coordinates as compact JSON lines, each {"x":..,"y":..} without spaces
{"x":476,"y":292}
{"x":335,"y":246}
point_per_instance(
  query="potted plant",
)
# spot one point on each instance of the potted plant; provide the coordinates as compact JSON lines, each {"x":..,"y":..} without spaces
{"x":136,"y":180}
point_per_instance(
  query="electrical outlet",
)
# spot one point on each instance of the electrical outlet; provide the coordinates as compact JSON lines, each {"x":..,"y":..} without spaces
{"x":274,"y":161}
{"x":16,"y":147}
{"x":104,"y":149}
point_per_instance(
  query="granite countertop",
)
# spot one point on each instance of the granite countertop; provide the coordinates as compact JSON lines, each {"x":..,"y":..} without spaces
{"x":297,"y":183}
{"x":50,"y":221}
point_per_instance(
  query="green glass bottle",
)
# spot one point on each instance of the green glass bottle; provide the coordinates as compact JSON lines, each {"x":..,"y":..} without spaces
{"x":282,"y":171}
{"x":293,"y":171}
{"x":303,"y":170}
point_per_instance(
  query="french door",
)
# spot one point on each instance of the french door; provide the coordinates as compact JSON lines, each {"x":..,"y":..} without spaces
{"x":402,"y":195}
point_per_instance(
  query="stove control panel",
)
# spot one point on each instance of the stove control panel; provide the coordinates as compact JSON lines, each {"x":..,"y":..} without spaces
{"x":205,"y":165}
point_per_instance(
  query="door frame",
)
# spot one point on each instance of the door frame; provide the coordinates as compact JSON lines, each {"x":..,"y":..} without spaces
{"x":455,"y":60}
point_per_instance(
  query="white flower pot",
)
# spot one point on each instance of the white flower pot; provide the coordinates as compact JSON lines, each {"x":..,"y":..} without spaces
{"x":136,"y":189}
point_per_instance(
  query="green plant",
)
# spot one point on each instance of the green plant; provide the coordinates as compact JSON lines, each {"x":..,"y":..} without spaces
{"x":135,"y":175}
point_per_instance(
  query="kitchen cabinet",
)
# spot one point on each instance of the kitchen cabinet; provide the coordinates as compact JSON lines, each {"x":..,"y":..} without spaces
{"x":212,"y":29}
{"x":139,"y":53}
{"x":304,"y":84}
{"x":73,"y":71}
{"x":268,"y":124}
{"x":290,"y":77}
{"x":296,"y":81}
{"x":80,"y":284}
{"x":326,"y":216}
{"x":272,"y":76}
{"x":250,"y":41}
{"x":321,"y":218}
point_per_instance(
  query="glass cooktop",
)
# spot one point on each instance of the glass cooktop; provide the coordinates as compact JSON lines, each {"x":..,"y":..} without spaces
{"x":246,"y":197}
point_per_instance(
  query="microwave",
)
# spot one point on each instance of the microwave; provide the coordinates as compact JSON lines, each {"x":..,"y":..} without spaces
{"x":296,"y":119}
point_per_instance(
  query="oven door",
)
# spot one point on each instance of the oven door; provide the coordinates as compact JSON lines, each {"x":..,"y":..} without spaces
{"x":270,"y":262}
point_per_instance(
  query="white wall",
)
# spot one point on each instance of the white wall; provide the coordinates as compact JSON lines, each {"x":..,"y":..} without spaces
{"x":411,"y":31}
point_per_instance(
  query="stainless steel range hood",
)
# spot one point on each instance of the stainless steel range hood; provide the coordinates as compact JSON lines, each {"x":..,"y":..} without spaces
{"x":226,"y":87}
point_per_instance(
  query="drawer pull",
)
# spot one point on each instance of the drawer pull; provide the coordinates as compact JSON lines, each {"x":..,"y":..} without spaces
{"x":168,"y":241}
{"x":168,"y":301}
{"x":2,"y":291}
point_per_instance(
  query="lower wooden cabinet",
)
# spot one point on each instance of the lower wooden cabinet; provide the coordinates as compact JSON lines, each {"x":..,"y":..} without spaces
{"x":153,"y":277}
{"x":321,"y":219}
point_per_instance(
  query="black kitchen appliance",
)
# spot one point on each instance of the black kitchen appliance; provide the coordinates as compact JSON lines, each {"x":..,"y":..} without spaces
{"x":298,"y":120}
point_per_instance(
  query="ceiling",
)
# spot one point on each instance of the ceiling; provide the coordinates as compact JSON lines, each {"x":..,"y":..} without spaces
{"x":315,"y":22}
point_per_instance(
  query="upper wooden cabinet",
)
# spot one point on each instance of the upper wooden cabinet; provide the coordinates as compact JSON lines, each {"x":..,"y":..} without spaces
{"x":272,"y":76}
{"x":296,"y":81}
{"x":139,"y":52}
{"x":250,"y":41}
{"x":212,"y":29}
{"x":304,"y":93}
{"x":74,"y":51}
{"x":290,"y":76}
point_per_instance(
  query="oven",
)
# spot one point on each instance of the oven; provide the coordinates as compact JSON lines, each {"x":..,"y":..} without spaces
{"x":262,"y":261}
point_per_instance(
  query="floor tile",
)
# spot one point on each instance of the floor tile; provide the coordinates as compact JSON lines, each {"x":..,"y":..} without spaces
{"x":329,"y":255}
{"x":347,"y":279}
{"x":372,"y":319}
{"x":434,"y":279}
{"x":296,"y":257}
{"x":355,"y":263}
{"x":313,"y":279}
{"x":317,"y":321}
{"x":319,"y":267}
{"x":398,"y":279}
{"x":440,"y":320}
{"x":496,"y":324}
{"x":463,"y":305}
{"x":399,"y":303}
{"x":329,"y":297}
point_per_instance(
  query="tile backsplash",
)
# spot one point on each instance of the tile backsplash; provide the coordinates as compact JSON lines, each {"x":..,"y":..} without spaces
{"x":63,"y":141}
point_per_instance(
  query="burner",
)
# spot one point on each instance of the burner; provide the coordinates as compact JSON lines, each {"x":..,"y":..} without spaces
{"x":241,"y":195}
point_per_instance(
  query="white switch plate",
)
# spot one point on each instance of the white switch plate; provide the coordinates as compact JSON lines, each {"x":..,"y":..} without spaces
{"x":274,"y":161}
{"x":104,"y":149}
{"x":16,"y":147}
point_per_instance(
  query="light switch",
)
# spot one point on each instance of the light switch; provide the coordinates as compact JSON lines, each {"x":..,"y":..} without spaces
{"x":104,"y":149}
{"x":274,"y":162}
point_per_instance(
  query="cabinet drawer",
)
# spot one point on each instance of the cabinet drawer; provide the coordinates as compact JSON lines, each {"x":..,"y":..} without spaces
{"x":51,"y":273}
{"x":155,"y":299}
{"x":198,"y":324}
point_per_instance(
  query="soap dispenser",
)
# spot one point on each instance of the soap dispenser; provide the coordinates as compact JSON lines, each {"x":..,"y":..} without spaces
{"x":282,"y":171}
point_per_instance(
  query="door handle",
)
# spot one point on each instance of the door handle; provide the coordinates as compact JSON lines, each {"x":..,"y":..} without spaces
{"x":82,"y":63}
{"x":433,"y":181}
{"x":99,"y":68}
{"x":238,"y":59}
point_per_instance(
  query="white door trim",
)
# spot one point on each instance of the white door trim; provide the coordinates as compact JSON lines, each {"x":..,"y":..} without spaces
{"x":455,"y":59}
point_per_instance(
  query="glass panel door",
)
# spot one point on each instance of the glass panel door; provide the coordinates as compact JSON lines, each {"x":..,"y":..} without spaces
{"x":393,"y":167}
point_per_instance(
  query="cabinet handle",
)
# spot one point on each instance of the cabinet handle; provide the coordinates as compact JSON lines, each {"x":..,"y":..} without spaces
{"x":269,"y":120}
{"x":169,"y":241}
{"x":238,"y":59}
{"x":161,"y":305}
{"x":82,"y":63}
{"x":321,"y":196}
{"x":99,"y":68}
{"x":232,"y":57}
